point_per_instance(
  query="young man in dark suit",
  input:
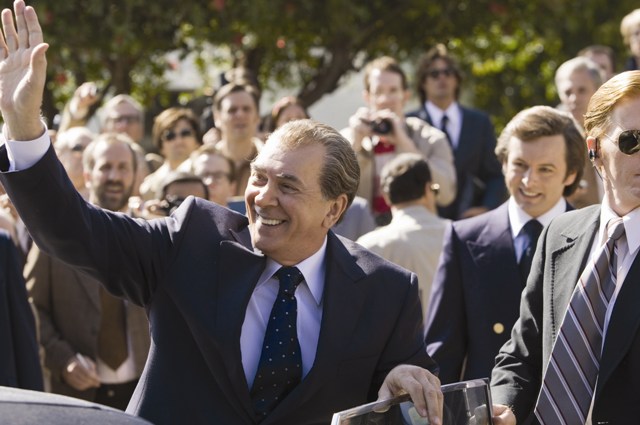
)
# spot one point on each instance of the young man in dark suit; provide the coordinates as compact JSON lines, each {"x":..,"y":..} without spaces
{"x":221,"y":290}
{"x":480,"y":185}
{"x":533,"y":372}
{"x":486,"y":259}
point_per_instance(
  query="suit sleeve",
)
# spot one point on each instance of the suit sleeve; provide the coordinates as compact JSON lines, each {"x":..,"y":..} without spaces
{"x":446,"y":332}
{"x":434,"y":146}
{"x":129,"y":256}
{"x":37,"y":272}
{"x":406,"y":345}
{"x":517,"y":376}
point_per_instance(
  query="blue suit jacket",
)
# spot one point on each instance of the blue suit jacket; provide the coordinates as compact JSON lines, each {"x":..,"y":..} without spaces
{"x":475,"y":296}
{"x":19,"y":359}
{"x":194,"y":272}
{"x":474,"y":157}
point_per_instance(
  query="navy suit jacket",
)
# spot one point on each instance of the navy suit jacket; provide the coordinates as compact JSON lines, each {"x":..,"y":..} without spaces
{"x":474,"y":158}
{"x":19,"y":358}
{"x":475,"y":296}
{"x":194,"y":272}
{"x":561,"y":256}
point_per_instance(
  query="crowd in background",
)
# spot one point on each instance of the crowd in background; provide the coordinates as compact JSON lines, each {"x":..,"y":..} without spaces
{"x":437,"y":186}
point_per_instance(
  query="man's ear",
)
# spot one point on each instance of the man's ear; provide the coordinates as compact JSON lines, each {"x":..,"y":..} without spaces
{"x":592,"y":149}
{"x":336,"y":209}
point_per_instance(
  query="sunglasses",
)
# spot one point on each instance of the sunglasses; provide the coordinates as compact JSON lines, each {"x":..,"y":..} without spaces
{"x":435,"y":73}
{"x":629,"y":141}
{"x":170,"y":135}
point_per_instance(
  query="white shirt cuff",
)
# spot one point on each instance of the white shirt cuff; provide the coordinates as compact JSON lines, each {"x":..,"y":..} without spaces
{"x":24,"y":154}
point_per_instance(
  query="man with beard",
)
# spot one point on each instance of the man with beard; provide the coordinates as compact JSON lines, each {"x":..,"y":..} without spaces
{"x":95,"y":344}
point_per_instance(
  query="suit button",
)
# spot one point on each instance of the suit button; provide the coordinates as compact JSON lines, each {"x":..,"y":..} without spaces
{"x":498,"y":328}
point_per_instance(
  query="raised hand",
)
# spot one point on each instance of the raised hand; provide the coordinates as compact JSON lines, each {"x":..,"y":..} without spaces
{"x":23,"y":68}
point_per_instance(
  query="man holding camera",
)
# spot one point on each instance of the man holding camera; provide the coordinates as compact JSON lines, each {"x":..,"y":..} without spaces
{"x":380,"y":131}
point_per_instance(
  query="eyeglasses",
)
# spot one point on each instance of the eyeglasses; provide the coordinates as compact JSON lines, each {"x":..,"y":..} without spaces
{"x":125,"y":119}
{"x":215,"y":177}
{"x":628,"y":141}
{"x":435,"y":73}
{"x":170,"y":135}
{"x":77,"y":148}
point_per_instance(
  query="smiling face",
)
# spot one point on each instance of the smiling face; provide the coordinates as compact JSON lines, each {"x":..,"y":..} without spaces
{"x":289,"y":216}
{"x":536,"y":173}
{"x":620,"y":172}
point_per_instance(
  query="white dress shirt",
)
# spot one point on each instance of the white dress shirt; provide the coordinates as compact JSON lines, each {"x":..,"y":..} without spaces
{"x":518,"y":218}
{"x":309,"y":299}
{"x":454,"y":115}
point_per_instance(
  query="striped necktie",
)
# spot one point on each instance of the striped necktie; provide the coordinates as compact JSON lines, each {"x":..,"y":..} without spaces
{"x":570,"y":378}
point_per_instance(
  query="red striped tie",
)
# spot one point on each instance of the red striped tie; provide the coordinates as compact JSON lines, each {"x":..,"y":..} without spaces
{"x":570,"y":378}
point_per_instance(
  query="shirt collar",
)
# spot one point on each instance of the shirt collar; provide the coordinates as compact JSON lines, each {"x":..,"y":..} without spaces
{"x":312,"y":268}
{"x":435,"y":113}
{"x":631,"y":221}
{"x":518,"y":217}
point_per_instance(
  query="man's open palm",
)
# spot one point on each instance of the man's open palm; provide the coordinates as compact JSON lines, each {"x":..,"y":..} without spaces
{"x":23,"y":68}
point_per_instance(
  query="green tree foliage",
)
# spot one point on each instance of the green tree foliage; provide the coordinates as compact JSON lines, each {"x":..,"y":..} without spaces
{"x":508,"y":48}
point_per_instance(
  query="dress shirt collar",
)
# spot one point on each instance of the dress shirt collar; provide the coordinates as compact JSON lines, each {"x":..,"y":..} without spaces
{"x":518,"y":218}
{"x":631,"y":222}
{"x":436,"y":114}
{"x":312,"y":268}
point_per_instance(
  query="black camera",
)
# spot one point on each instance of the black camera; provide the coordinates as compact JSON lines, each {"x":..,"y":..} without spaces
{"x":381,"y":126}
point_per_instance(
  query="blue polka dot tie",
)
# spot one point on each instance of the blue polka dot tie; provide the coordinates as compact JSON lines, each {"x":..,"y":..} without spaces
{"x":280,"y":367}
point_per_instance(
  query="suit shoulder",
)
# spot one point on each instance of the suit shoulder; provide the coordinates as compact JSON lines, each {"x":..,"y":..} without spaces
{"x":570,"y":218}
{"x":469,"y":228}
{"x":202,"y":211}
{"x":475,"y":113}
{"x":371,"y":263}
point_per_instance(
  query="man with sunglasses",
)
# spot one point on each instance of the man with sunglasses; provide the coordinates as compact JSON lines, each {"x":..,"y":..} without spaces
{"x":480,"y":185}
{"x":583,"y":288}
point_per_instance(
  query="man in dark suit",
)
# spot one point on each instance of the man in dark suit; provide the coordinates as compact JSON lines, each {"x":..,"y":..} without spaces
{"x":95,"y":344}
{"x":563,"y":270}
{"x":19,"y":360}
{"x":470,"y":132}
{"x":486,"y":259}
{"x":209,"y":278}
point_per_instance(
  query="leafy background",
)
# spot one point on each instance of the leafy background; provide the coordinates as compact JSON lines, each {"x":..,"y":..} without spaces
{"x":509,"y":49}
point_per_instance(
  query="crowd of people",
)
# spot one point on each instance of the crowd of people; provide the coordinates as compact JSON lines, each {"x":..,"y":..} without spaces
{"x":276,"y":270}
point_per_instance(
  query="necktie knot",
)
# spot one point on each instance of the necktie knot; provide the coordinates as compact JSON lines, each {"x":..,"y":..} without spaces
{"x":615,"y":228}
{"x":289,"y":279}
{"x":532,"y":228}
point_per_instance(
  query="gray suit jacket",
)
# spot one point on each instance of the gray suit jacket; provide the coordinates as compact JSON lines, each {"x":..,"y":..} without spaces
{"x":195,"y":272}
{"x":560,"y":258}
{"x":68,"y":306}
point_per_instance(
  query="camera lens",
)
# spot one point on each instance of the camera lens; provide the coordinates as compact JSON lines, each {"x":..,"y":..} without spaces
{"x":381,"y":126}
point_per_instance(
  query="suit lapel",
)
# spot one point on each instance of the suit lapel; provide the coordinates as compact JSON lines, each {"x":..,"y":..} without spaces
{"x":623,"y":325}
{"x":496,"y":241}
{"x":238,"y":272}
{"x":467,"y":138}
{"x":568,"y":261}
{"x":342,"y":303}
{"x":88,"y":284}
